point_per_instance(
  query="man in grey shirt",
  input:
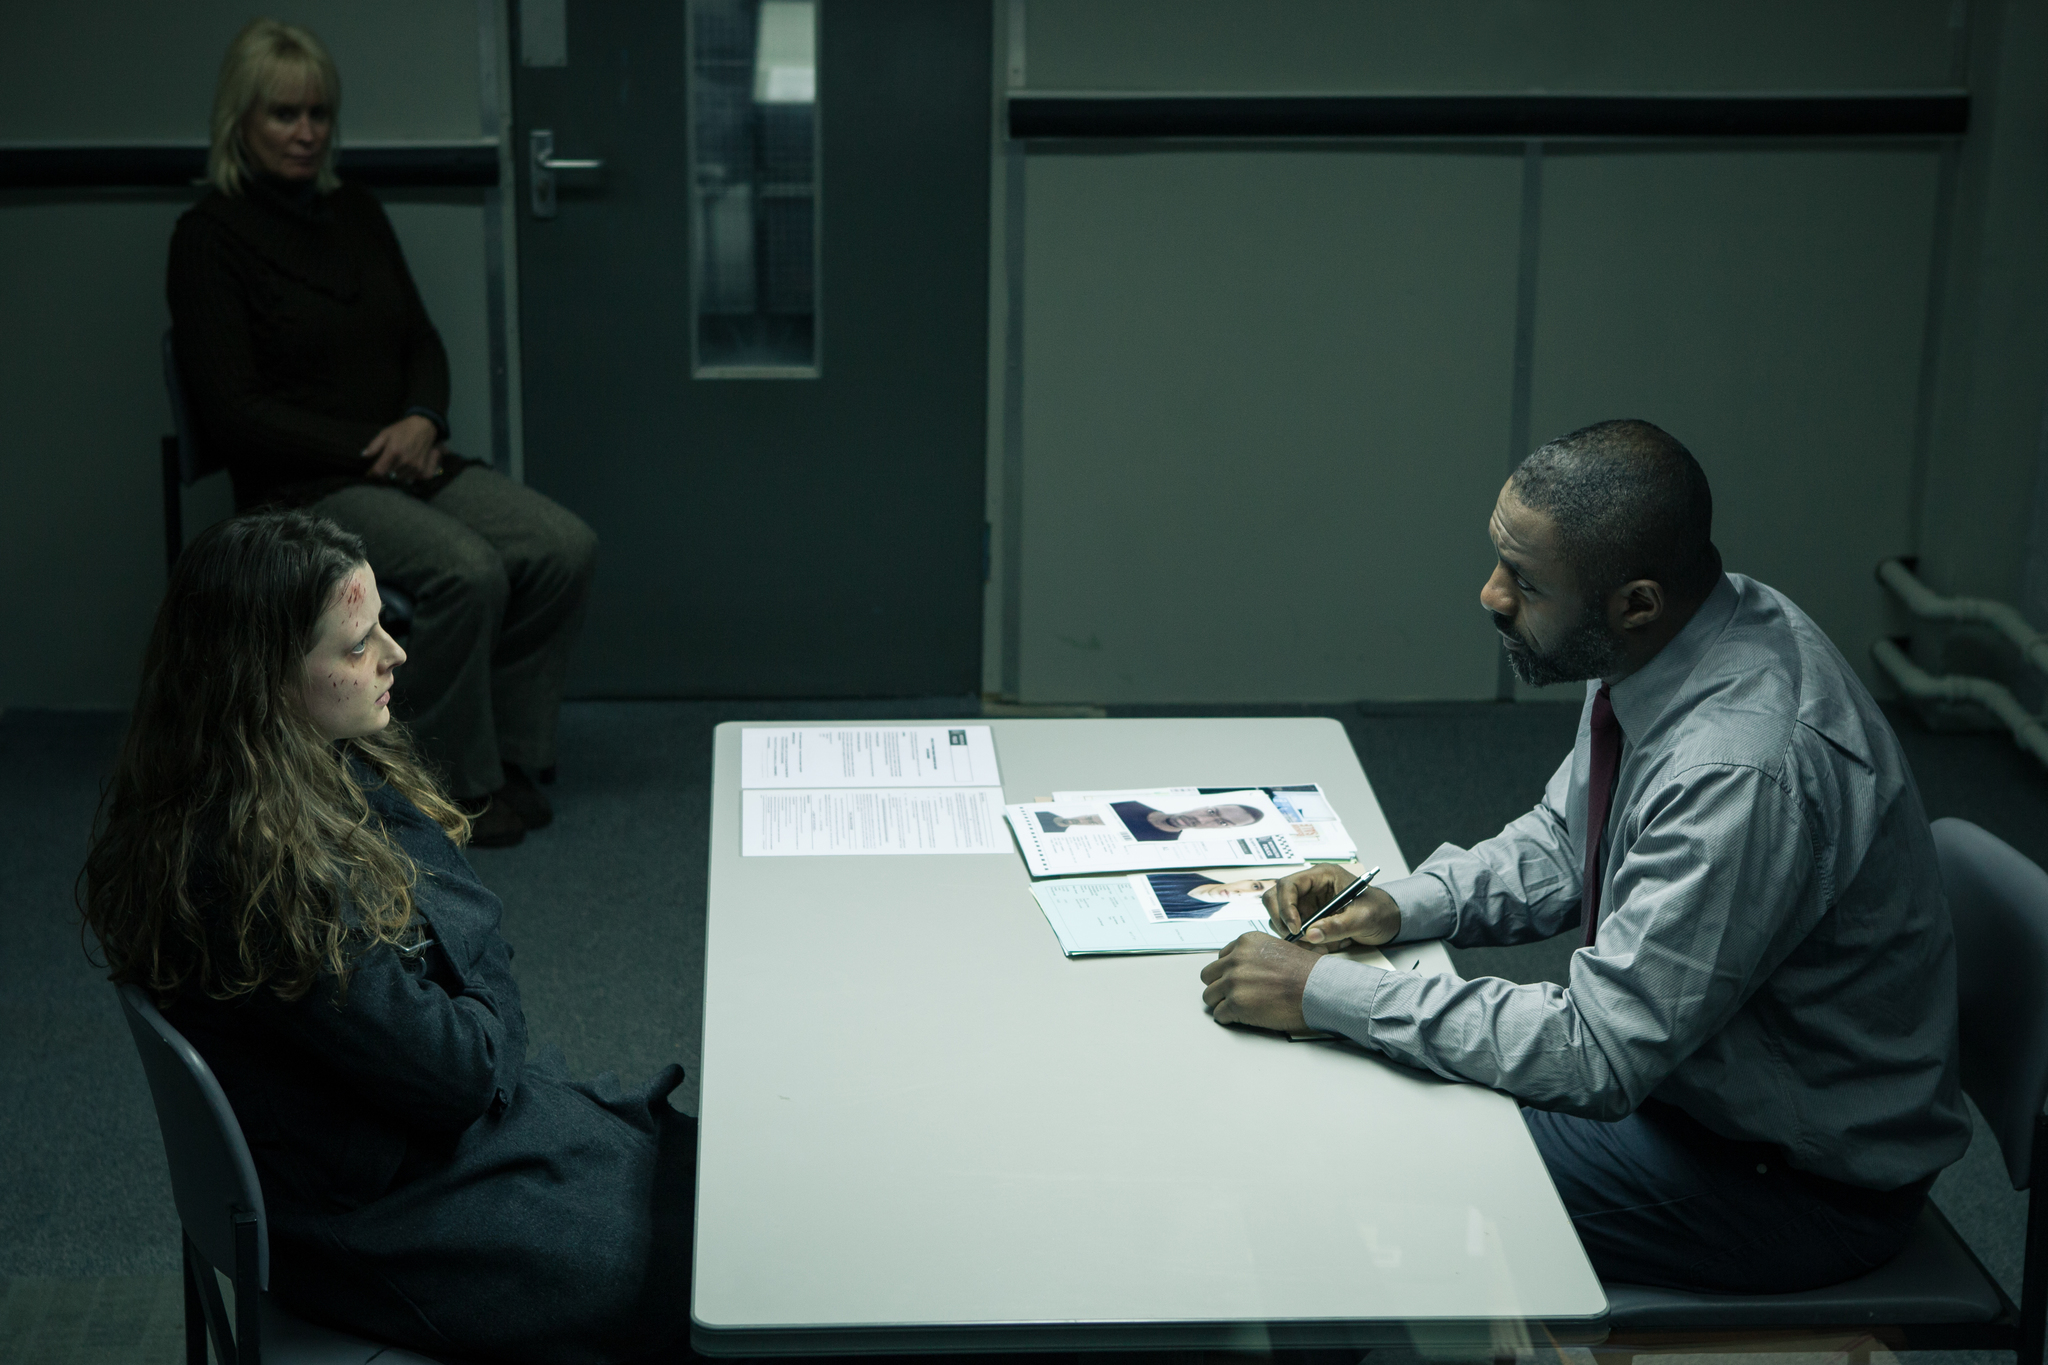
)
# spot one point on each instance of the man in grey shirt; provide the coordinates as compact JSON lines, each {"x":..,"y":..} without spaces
{"x":1750,"y":1081}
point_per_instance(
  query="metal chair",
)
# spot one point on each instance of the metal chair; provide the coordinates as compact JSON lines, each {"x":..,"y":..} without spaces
{"x":220,"y":1208}
{"x":186,"y":462}
{"x":1936,"y":1295}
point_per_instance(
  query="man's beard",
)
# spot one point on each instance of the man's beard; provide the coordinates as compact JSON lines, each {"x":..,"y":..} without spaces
{"x":1588,"y":650}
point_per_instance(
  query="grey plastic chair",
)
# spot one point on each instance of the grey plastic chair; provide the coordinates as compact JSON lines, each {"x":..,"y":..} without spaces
{"x":220,"y":1206}
{"x":1936,"y":1295}
{"x":186,"y":462}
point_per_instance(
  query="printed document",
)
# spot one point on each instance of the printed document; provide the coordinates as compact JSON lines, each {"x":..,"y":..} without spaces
{"x":810,"y":757}
{"x":1225,"y":829}
{"x":815,"y":790}
{"x":1312,"y":823}
{"x":1158,"y":912}
{"x":888,"y":820}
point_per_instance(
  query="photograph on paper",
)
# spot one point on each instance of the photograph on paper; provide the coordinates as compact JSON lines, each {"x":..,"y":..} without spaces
{"x":1150,"y":824}
{"x":1231,"y":829}
{"x":1091,"y":915}
{"x":1203,"y":895}
{"x":1054,"y":823}
{"x":1311,"y":822}
{"x":1094,"y":916}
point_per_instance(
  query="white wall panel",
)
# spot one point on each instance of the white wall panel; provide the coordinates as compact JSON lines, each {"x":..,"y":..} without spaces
{"x":1767,"y":308}
{"x":1265,"y":414}
{"x":81,"y":381}
{"x":134,"y":71}
{"x":1473,"y":45}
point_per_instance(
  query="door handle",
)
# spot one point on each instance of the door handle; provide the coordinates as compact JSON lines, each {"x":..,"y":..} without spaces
{"x":543,"y":163}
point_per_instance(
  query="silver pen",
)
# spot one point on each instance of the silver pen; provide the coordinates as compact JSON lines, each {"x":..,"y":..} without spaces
{"x":1337,"y":902}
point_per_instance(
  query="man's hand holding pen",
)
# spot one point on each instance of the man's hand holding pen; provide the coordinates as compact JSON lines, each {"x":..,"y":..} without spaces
{"x":1259,"y":979}
{"x":1367,"y":922}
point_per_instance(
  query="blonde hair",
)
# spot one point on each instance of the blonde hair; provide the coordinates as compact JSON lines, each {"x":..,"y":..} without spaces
{"x":259,"y":56}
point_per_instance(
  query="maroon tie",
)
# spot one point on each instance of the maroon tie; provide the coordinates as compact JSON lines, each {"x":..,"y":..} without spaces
{"x":1599,"y":793}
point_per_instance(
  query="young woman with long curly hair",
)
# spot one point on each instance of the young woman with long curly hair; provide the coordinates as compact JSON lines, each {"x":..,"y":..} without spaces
{"x":280,"y":871}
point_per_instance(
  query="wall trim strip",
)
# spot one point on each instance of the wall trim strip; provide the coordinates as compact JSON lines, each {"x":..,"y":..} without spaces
{"x":1089,"y":116}
{"x":175,"y":165}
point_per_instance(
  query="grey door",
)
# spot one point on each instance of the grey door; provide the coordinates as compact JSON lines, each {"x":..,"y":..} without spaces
{"x":768,"y":536}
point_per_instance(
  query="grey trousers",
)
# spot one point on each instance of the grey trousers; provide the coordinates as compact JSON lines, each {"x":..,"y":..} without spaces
{"x":1660,"y":1199}
{"x":499,"y":577}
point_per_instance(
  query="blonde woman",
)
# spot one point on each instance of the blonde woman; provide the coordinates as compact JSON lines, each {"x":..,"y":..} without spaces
{"x":311,"y":367}
{"x":275,"y":866}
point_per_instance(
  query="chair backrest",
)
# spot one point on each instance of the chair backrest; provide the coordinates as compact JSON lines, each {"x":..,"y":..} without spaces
{"x":212,"y":1177}
{"x":193,"y":463}
{"x":1998,"y":902}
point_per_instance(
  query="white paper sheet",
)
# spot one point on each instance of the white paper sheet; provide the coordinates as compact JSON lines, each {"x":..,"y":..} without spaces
{"x":1097,"y":915}
{"x":1060,"y":838}
{"x":813,"y":823}
{"x":1312,"y":823}
{"x":811,"y":757}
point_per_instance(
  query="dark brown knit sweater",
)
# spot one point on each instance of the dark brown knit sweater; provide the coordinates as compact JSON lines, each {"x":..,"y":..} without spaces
{"x":299,"y":336}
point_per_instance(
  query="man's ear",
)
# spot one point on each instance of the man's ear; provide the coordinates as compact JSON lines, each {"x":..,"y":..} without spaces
{"x":1636,"y":604}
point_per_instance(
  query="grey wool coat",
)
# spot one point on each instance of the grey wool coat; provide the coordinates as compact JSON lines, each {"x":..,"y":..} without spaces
{"x":429,"y":1184}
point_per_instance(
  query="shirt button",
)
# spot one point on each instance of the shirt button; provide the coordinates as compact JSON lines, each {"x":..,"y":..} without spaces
{"x":1763,"y":1170}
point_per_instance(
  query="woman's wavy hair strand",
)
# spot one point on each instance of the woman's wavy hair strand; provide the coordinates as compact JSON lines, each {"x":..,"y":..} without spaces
{"x":236,"y":847}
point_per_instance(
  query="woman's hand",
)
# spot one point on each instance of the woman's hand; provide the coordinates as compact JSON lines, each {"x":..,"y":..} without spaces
{"x":405,"y":451}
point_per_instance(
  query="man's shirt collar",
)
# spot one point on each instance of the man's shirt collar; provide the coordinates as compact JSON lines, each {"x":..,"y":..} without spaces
{"x":1644,"y":694}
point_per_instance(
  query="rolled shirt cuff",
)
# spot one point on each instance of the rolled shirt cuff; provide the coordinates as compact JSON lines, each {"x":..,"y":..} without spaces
{"x":1426,"y":908}
{"x":1339,"y":996}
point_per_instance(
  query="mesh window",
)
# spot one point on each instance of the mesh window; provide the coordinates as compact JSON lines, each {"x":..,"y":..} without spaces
{"x":753,"y":166}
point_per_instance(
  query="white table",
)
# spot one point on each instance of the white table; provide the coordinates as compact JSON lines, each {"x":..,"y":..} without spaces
{"x":923,"y":1128}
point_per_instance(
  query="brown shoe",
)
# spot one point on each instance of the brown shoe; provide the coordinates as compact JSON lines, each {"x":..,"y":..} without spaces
{"x":524,"y":798}
{"x":492,"y":823}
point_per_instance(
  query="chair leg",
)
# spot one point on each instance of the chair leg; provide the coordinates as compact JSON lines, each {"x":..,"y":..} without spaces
{"x":201,"y":1289}
{"x":2034,"y":1273}
{"x":195,"y":1312}
{"x":248,"y":1294}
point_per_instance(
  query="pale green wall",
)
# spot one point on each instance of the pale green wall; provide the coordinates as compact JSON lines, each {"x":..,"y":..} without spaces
{"x":1472,"y":45}
{"x":1988,"y":438}
{"x":1248,"y":418}
{"x":1766,"y":307}
{"x":1768,"y":304}
{"x":1364,"y":318}
{"x":135,"y":71}
{"x":81,"y":544}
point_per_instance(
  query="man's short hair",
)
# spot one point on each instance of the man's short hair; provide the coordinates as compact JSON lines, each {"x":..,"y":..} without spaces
{"x":1629,"y":502}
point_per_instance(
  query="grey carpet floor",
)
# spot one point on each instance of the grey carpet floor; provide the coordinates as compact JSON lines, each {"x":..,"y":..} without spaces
{"x":106,"y":1320}
{"x":605,"y":910}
